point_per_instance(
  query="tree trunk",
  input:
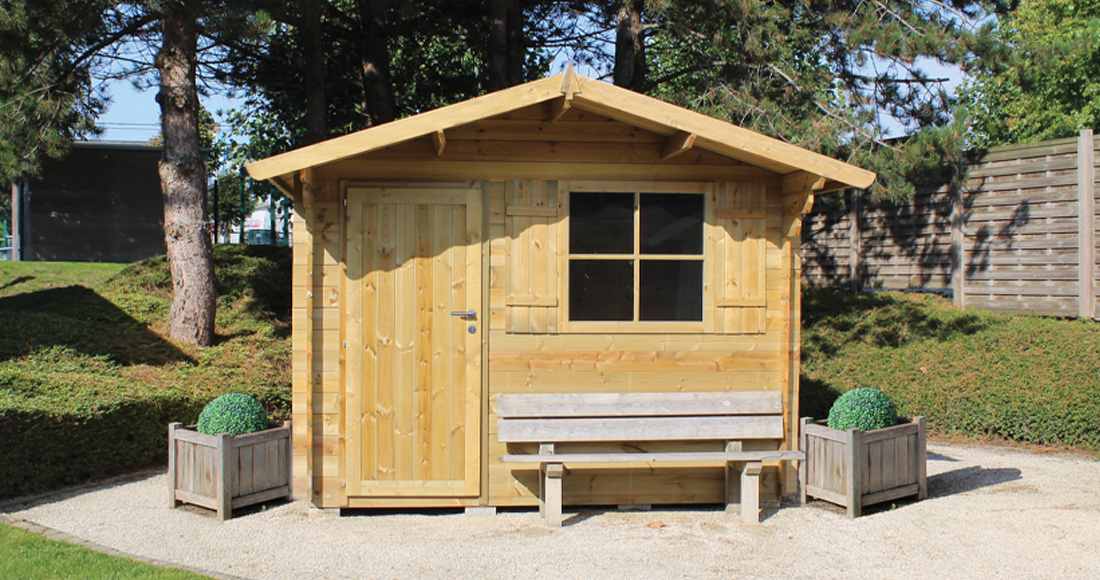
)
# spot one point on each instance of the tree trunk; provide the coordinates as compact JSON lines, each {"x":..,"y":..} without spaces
{"x":498,"y":44}
{"x":517,"y":52}
{"x":630,"y":66}
{"x":379,"y":105}
{"x":183,"y":182}
{"x":313,"y":44}
{"x":506,"y":50}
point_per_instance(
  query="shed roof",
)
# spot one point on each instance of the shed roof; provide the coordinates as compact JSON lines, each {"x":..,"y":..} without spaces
{"x":684,"y":129}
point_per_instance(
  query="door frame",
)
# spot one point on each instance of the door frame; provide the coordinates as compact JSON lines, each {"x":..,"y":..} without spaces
{"x":446,"y":193}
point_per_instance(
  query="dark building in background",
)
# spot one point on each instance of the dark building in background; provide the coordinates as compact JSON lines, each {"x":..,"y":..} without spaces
{"x":101,"y":203}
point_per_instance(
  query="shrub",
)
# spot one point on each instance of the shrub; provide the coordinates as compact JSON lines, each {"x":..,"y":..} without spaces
{"x":864,"y":409}
{"x":978,"y":374}
{"x":233,"y":413}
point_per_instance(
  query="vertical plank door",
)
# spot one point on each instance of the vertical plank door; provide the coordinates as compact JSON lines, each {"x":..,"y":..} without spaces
{"x":413,"y":378}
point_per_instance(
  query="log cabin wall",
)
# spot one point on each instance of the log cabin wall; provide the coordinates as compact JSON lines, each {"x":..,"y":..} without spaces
{"x":533,"y":350}
{"x":527,"y":166}
{"x":316,"y":402}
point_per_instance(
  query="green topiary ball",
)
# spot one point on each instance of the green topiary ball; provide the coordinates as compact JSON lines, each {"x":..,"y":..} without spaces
{"x":863,"y":409}
{"x":233,"y":413}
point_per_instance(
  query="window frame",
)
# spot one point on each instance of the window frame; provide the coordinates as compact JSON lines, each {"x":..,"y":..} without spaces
{"x":637,"y":188}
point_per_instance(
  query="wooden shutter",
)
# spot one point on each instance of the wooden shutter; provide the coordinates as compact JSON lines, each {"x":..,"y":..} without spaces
{"x":738,"y":261}
{"x":532,"y":228}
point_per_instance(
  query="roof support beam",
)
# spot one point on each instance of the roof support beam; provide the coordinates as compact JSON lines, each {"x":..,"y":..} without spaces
{"x":439,"y":141}
{"x":679,"y":142}
{"x":309,"y":185}
{"x":280,"y":183}
{"x":798,"y":190}
{"x":801,"y":182}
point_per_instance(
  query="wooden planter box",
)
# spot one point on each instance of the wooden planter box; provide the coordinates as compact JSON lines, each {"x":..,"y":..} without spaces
{"x":856,"y":469}
{"x":223,"y":472}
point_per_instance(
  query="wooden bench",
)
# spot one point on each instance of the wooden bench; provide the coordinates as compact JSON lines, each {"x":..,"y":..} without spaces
{"x":632,"y":418}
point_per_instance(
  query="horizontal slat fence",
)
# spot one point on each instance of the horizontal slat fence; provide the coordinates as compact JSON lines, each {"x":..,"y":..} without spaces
{"x":1018,"y":235}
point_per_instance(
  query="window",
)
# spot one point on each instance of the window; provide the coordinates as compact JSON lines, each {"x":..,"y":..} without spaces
{"x":635,"y":257}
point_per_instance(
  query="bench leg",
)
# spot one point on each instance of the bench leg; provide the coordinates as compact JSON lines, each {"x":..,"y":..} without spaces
{"x":733,"y":486}
{"x":550,"y":493}
{"x":750,"y":493}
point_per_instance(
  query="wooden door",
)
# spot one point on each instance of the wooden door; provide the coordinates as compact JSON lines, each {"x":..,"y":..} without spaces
{"x":413,"y":378}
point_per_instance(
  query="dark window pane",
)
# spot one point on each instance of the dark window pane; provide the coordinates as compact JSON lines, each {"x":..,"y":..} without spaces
{"x":601,"y":290}
{"x":601,"y":223}
{"x":672,"y":223}
{"x":671,"y":291}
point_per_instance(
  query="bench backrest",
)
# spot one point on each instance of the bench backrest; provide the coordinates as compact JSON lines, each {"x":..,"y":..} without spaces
{"x":590,"y":417}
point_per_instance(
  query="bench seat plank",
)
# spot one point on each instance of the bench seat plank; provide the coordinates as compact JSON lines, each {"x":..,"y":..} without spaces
{"x":548,"y":419}
{"x":656,"y":457}
{"x":640,"y":429}
{"x":640,"y":404}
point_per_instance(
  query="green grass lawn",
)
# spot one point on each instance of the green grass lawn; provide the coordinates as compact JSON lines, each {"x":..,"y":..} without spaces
{"x":24,"y":277}
{"x":28,"y":556}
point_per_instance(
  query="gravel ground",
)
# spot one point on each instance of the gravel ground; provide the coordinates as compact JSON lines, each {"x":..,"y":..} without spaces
{"x":992,"y":512}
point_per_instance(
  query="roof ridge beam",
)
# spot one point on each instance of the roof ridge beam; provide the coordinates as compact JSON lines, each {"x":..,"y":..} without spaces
{"x":569,"y":86}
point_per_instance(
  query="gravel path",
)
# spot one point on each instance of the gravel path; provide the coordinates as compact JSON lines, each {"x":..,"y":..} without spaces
{"x":992,"y":512}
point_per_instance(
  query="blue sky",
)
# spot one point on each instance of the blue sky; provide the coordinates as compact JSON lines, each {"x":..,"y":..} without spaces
{"x":134,"y":115}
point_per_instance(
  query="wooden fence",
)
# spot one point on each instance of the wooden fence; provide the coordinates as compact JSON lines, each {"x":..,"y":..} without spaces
{"x":1017,"y":235}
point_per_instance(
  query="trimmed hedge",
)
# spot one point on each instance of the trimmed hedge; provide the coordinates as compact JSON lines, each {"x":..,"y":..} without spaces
{"x":88,"y":386}
{"x":233,"y":413}
{"x":969,"y":372}
{"x":44,"y":449}
{"x":863,"y":409}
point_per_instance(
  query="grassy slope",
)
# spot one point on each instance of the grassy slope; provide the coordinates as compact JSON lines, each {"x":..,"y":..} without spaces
{"x":24,"y":277}
{"x":88,"y":383}
{"x":969,"y":372}
{"x":29,"y":556}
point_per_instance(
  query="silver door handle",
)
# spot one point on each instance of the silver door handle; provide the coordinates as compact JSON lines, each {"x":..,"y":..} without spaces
{"x":471,"y":313}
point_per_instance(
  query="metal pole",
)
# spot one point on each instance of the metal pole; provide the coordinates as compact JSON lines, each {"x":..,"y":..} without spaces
{"x":271,"y":217}
{"x":243,"y":216}
{"x":217,"y":230}
{"x":16,"y":222}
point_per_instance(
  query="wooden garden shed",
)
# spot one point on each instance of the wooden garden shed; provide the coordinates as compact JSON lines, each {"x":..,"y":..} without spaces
{"x":561,"y":236}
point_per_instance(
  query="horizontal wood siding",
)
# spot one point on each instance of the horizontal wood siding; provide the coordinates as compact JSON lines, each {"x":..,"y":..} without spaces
{"x":632,"y":363}
{"x":326,"y":415}
{"x":1018,"y":222}
{"x":520,"y":159}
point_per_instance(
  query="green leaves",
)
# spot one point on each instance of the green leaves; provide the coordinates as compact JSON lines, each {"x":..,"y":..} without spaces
{"x":47,"y":97}
{"x":233,"y":413}
{"x":837,"y":78}
{"x":863,"y":409}
{"x":1051,"y":86}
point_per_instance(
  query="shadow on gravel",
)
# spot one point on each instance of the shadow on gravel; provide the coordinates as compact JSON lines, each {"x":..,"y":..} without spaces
{"x":937,"y":457}
{"x":20,"y":503}
{"x":969,"y":479}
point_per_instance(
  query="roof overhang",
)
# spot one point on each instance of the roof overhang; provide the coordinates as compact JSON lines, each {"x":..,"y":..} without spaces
{"x":684,"y":129}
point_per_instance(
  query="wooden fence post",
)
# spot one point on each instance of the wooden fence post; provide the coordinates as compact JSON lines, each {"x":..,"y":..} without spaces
{"x":172,"y":469}
{"x":222,"y":478}
{"x":958,"y":244}
{"x":855,"y":241}
{"x":855,"y":473}
{"x":1086,"y":234}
